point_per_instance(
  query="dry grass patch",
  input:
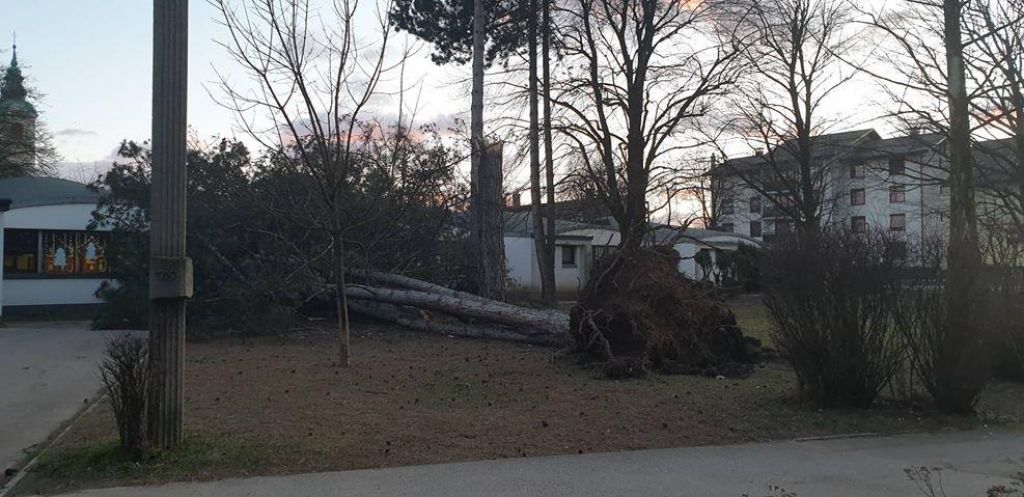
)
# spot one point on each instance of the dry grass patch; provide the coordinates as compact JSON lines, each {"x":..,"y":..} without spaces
{"x":278,"y":406}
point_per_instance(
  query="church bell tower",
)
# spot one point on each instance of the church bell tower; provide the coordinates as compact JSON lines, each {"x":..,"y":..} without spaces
{"x":17,"y":122}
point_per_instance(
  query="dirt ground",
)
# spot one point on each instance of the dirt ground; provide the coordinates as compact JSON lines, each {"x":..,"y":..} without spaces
{"x":276,"y":406}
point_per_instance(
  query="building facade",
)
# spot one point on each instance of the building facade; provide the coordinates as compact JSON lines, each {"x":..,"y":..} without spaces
{"x":865,"y":182}
{"x":51,"y":256}
{"x":578,"y":244}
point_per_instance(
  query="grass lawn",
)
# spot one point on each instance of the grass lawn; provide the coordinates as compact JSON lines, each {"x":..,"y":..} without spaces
{"x":752,"y":317}
{"x":277,"y":406}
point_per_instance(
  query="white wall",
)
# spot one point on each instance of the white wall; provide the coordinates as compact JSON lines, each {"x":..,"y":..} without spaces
{"x":570,"y":279}
{"x":521,"y":262}
{"x":51,"y":291}
{"x":45,"y":290}
{"x":687,"y":265}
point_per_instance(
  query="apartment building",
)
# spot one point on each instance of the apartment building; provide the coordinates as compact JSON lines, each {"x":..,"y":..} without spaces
{"x":865,"y":182}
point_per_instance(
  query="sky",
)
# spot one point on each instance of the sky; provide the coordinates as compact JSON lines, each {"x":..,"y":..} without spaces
{"x":91,"y":60}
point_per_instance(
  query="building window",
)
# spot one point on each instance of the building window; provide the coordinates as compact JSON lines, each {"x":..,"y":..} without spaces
{"x":727,"y":207}
{"x":783,"y":227}
{"x":55,"y":253}
{"x":755,"y":205}
{"x":568,"y":256}
{"x":858,"y":224}
{"x":898,"y":222}
{"x":897,"y":165}
{"x":21,"y":251}
{"x":897,"y":194}
{"x":857,"y":196}
{"x":755,"y":228}
{"x":727,"y":227}
{"x":856,"y":171}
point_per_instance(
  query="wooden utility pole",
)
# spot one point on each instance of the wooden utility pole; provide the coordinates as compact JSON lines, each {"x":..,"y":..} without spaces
{"x":170,"y":274}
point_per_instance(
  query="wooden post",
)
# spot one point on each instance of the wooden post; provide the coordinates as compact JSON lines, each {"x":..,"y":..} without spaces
{"x":170,"y":277}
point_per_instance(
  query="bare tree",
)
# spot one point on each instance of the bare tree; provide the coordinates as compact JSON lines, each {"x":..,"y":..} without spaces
{"x":997,"y":28}
{"x":636,"y":72}
{"x":928,"y":79}
{"x":546,"y":33}
{"x":707,"y":185}
{"x":542,"y":242}
{"x":312,"y":78}
{"x":796,"y":66}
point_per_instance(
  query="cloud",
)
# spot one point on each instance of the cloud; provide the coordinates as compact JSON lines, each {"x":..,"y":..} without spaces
{"x":75,"y":132}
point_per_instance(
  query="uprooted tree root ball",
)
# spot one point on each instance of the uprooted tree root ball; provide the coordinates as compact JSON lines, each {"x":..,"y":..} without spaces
{"x":638,"y":314}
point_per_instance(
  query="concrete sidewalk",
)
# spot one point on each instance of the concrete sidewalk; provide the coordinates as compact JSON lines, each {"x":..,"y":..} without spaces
{"x":824,"y":468}
{"x":48,"y":371}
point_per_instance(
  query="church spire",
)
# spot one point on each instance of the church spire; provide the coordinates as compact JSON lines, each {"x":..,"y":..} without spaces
{"x":12,"y":90}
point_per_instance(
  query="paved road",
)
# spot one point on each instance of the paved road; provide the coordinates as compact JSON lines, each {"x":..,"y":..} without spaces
{"x":824,"y":468}
{"x":47,"y":373}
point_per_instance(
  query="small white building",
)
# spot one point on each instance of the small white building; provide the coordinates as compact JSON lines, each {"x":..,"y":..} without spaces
{"x":579,"y":244}
{"x":51,"y":258}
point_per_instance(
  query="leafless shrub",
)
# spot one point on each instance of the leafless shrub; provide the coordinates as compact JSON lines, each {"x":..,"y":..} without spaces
{"x":125,"y":374}
{"x":832,"y":296}
{"x":1005,"y":277}
{"x":952,"y":367}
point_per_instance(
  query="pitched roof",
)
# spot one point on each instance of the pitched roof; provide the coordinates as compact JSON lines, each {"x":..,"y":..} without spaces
{"x":996,"y":162}
{"x":822,"y":146}
{"x":862,"y":144}
{"x":519,"y":223}
{"x":33,"y":192}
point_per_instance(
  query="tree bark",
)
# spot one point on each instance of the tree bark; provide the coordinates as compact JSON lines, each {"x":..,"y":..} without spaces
{"x":549,"y":156}
{"x":476,"y":137}
{"x":961,"y":349}
{"x":416,"y":320}
{"x":340,"y":300}
{"x":527,"y":321}
{"x":491,"y":270}
{"x":377,"y":278}
{"x":540,"y":239}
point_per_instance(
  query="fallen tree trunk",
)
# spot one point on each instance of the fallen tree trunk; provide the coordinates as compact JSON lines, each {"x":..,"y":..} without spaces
{"x":375,"y":278}
{"x":526,"y":321}
{"x":416,"y":320}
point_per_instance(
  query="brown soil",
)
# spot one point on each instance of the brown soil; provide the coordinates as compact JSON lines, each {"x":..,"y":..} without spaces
{"x":274,"y":406}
